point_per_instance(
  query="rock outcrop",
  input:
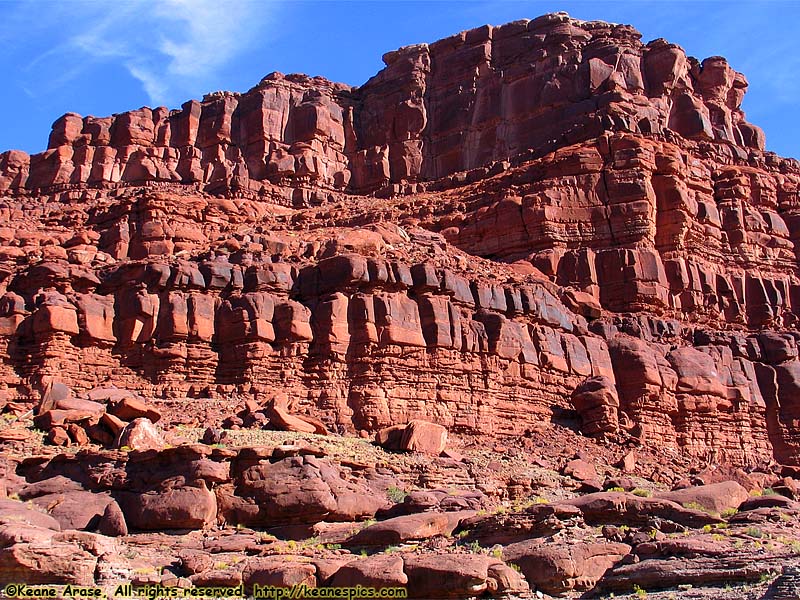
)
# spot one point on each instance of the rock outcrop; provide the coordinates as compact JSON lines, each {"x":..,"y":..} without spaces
{"x":486,"y":95}
{"x":546,"y":221}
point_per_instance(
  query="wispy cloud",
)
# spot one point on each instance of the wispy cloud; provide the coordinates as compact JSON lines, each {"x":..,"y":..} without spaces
{"x":174,"y":48}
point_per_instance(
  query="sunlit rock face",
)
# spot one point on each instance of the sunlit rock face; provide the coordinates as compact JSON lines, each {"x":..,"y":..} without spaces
{"x":484,"y":95}
{"x":546,"y":221}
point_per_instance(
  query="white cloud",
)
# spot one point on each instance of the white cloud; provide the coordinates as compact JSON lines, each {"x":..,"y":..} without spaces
{"x":174,"y":48}
{"x":194,"y":38}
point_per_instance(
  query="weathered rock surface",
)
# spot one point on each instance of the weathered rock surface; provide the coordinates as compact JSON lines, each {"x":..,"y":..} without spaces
{"x":15,"y":512}
{"x":517,"y":231}
{"x":378,"y":571}
{"x":184,"y":507}
{"x":696,"y":561}
{"x":458,"y":576}
{"x":408,"y":527}
{"x":434,"y":110}
{"x":538,"y":520}
{"x":229,"y":248}
{"x":622,"y":508}
{"x":716,"y":497}
{"x":300,"y":489}
{"x":556,"y":569}
{"x":47,"y":562}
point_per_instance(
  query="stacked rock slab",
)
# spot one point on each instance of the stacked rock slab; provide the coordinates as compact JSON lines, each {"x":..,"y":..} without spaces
{"x":543,"y":221}
{"x":485,"y":95}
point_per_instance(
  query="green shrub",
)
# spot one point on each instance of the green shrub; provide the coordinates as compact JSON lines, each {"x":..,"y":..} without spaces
{"x":396,"y":494}
{"x":697,"y":506}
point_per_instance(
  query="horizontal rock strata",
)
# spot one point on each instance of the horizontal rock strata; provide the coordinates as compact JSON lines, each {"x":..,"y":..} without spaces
{"x":547,"y":221}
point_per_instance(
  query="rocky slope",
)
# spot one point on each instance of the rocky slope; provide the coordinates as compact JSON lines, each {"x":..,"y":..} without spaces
{"x":519,"y":231}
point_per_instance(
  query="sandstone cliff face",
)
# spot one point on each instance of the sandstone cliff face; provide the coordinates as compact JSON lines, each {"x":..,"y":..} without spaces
{"x":544,"y":221}
{"x":481,"y":96}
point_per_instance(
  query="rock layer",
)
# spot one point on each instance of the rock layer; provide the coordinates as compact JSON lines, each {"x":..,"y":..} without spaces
{"x":484,"y":95}
{"x":546,"y":221}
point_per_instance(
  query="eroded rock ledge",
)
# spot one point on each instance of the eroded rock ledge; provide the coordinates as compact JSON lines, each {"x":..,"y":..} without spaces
{"x":543,"y":222}
{"x":485,"y":95}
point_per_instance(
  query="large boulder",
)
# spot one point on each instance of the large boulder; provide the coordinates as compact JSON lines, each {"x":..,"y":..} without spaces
{"x":695,"y":561}
{"x":52,"y":485}
{"x":55,"y":393}
{"x":184,"y":507}
{"x":298,"y":489}
{"x":19,"y":533}
{"x":416,"y":436}
{"x":557,"y":568}
{"x":140,"y":434}
{"x":621,"y":508}
{"x":47,"y":562}
{"x":408,"y":527}
{"x":15,"y":512}
{"x":597,"y":403}
{"x":424,"y":437}
{"x":75,"y":509}
{"x":580,"y":470}
{"x":283,"y":420}
{"x":459,"y":576}
{"x":377,"y":571}
{"x":279,"y":572}
{"x":59,"y":396}
{"x":129,"y":408}
{"x":538,"y":520}
{"x":112,"y":522}
{"x":714,"y":497}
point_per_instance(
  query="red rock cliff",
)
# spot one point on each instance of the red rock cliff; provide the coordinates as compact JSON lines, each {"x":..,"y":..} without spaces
{"x":485,"y":95}
{"x":543,"y":221}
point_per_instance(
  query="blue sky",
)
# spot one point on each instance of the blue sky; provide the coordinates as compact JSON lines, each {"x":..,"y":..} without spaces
{"x":99,"y":58}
